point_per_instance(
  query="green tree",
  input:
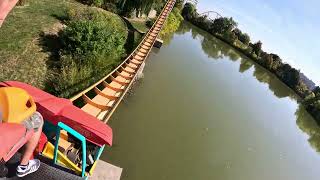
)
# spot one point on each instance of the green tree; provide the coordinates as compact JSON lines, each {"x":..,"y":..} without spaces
{"x":189,"y":11}
{"x":179,"y":4}
{"x":222,"y":25}
{"x":289,"y":75}
{"x":237,"y":32}
{"x":127,"y":7}
{"x":230,"y":37}
{"x":267,"y":60}
{"x":257,"y":48}
{"x":203,"y":22}
{"x":316,"y":91}
{"x":243,"y":37}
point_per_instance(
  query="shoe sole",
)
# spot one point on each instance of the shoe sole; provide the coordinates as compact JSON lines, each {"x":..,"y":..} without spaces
{"x":28,"y":173}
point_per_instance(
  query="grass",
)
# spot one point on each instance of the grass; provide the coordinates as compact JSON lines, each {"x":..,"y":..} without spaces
{"x":93,"y":45}
{"x":22,"y":57}
{"x":28,"y":38}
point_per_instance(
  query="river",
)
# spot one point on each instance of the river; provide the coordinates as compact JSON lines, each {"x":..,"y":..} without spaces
{"x":202,"y":111}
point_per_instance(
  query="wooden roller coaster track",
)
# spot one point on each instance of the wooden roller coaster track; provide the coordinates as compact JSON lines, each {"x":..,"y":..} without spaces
{"x":102,"y":98}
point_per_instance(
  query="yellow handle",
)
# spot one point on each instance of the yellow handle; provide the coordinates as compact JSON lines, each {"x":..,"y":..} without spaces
{"x":31,"y":107}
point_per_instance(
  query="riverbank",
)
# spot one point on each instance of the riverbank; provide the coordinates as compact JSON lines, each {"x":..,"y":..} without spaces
{"x":32,"y":48}
{"x":226,"y":30}
{"x":190,"y":87}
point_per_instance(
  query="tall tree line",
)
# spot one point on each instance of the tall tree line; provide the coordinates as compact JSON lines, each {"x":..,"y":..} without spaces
{"x":127,"y":7}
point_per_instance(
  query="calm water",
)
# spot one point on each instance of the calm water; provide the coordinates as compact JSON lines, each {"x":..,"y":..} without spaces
{"x":202,"y":112}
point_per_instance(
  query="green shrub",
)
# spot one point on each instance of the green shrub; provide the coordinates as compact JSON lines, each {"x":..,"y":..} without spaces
{"x":150,"y":22}
{"x":93,"y":43}
{"x":110,"y":7}
{"x":230,"y":37}
{"x":72,"y":72}
{"x":88,"y":41}
{"x":173,"y":22}
{"x":97,"y":3}
{"x":137,"y":38}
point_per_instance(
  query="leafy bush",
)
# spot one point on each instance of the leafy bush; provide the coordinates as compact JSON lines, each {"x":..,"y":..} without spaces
{"x":223,"y":24}
{"x":97,"y":3}
{"x":110,"y":7}
{"x":189,"y":11}
{"x":93,"y":41}
{"x":150,"y":22}
{"x":173,"y":22}
{"x":230,"y":37}
{"x":179,"y":4}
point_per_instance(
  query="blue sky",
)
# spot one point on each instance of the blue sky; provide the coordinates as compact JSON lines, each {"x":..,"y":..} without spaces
{"x":288,"y":28}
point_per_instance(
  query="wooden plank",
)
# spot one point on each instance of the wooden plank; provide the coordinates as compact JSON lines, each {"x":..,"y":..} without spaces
{"x":110,"y":97}
{"x":141,"y":54}
{"x":127,"y":71}
{"x":138,"y":58}
{"x":132,"y":66}
{"x":146,"y":47}
{"x":143,"y":50}
{"x":112,"y":87}
{"x":123,"y":75}
{"x":95,"y":104}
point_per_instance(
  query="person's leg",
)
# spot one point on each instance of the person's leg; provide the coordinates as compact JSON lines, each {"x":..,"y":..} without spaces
{"x":30,"y":147}
{"x":28,"y":166}
{"x":5,"y":7}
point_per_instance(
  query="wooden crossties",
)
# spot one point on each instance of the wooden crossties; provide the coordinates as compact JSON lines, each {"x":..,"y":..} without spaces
{"x":102,"y":98}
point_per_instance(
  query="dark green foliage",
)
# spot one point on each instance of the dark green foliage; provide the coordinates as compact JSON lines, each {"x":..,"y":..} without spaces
{"x":173,"y":22}
{"x":312,"y":103}
{"x":243,"y":37}
{"x":230,"y":37}
{"x":288,"y":75}
{"x":92,"y":33}
{"x":150,"y":22}
{"x":189,"y":11}
{"x":110,"y":7}
{"x":222,"y":25}
{"x":92,"y":40}
{"x":93,"y":43}
{"x":127,"y":7}
{"x":98,"y":3}
{"x":179,"y":4}
{"x":256,"y":48}
{"x":203,"y":22}
{"x":316,"y":91}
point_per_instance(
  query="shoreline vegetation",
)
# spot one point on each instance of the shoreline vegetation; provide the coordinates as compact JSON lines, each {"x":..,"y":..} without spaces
{"x":64,"y":47}
{"x":93,"y":44}
{"x":226,"y":30}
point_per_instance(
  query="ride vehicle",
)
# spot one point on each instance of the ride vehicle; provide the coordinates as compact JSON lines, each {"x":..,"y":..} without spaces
{"x":72,"y":141}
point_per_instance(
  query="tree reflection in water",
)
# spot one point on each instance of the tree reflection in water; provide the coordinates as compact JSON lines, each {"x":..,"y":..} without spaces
{"x":308,"y":125}
{"x":217,"y":50}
